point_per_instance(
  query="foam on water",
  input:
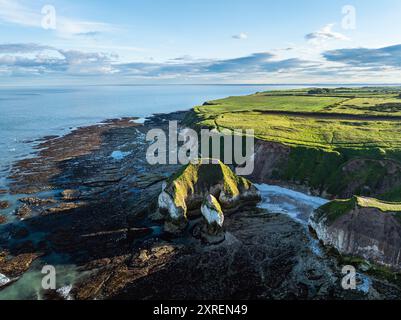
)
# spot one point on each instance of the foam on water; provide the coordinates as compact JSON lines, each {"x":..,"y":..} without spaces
{"x":29,"y":285}
{"x":139,"y":120}
{"x":65,"y":292}
{"x":365,"y":284}
{"x":297,"y":205}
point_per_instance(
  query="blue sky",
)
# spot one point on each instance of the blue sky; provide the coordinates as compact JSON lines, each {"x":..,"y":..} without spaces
{"x":220,"y":41}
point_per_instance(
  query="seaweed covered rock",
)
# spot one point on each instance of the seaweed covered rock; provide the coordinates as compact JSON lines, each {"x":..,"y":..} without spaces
{"x":185,"y":193}
{"x":362,"y":227}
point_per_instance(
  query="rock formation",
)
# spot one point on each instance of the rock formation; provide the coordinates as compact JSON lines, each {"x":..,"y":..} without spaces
{"x":362,"y":227}
{"x":207,"y":188}
{"x":4,"y":205}
{"x":212,"y":229}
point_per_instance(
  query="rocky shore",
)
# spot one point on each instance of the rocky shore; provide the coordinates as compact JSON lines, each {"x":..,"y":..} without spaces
{"x":92,"y":198}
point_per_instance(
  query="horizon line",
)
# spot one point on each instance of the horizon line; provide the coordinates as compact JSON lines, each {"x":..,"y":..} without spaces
{"x":204,"y":84}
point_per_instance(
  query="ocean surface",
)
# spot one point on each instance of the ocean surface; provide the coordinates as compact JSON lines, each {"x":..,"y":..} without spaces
{"x":29,"y":113}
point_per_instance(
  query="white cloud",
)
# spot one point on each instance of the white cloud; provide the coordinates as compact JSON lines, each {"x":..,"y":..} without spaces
{"x":14,"y":12}
{"x":240,"y":36}
{"x":32,"y":59}
{"x":324,"y":34}
{"x":341,"y":65}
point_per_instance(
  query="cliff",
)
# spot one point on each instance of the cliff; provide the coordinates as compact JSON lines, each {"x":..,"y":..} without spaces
{"x":362,"y":227}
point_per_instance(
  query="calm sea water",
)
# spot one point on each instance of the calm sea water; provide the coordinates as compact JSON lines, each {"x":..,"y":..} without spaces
{"x":27,"y":114}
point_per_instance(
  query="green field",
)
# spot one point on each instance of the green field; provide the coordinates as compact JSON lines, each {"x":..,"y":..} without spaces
{"x":337,"y":208}
{"x":325,"y":129}
{"x":269,"y":102}
{"x":366,"y":118}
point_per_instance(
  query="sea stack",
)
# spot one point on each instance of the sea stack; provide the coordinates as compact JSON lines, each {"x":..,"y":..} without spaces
{"x":204,"y":188}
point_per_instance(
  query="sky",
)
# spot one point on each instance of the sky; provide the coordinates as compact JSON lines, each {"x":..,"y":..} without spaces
{"x":194,"y":41}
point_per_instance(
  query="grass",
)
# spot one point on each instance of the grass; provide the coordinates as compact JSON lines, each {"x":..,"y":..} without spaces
{"x":337,"y":208}
{"x":373,"y":269}
{"x":373,"y":106}
{"x":324,"y":128}
{"x":381,"y":205}
{"x":344,"y":118}
{"x":202,"y":176}
{"x":215,"y":205}
{"x":324,"y":133}
{"x":263,"y":102}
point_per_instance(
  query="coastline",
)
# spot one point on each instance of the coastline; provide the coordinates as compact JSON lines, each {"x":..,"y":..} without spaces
{"x":74,"y":196}
{"x":89,"y":214}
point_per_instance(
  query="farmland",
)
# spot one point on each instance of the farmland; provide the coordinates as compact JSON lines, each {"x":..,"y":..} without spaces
{"x":326,"y":130}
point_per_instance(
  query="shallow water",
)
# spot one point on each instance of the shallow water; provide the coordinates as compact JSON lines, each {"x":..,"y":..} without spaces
{"x":297,"y":205}
{"x":29,"y":286}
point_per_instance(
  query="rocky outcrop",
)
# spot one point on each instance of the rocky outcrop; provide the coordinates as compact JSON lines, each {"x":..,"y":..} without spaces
{"x":185,"y":193}
{"x":15,"y":266}
{"x":4,"y":205}
{"x":361,"y":227}
{"x":213,"y":218}
{"x":36,"y":202}
{"x":23,"y":211}
{"x":70,"y":194}
{"x":213,"y":214}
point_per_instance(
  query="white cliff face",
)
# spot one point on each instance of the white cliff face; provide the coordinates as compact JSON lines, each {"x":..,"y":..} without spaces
{"x":352,"y":234}
{"x":322,"y":234}
{"x":211,"y":213}
{"x":167,"y":203}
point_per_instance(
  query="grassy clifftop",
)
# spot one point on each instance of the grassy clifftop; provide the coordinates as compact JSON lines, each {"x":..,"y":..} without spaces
{"x":342,"y":118}
{"x":336,"y":208}
{"x":326,"y":129}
